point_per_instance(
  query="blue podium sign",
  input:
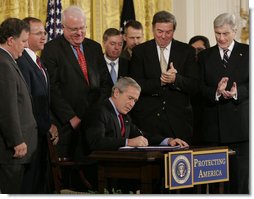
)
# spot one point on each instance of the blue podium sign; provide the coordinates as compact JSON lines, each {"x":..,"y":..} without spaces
{"x":188,"y":168}
{"x":210,"y":166}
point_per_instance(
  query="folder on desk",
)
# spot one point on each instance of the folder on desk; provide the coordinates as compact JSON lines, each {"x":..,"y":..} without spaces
{"x":150,"y":148}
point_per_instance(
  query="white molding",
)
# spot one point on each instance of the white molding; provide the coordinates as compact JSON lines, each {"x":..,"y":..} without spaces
{"x":195,"y":17}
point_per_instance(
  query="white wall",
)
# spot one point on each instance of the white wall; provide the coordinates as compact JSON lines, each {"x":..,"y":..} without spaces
{"x":195,"y":17}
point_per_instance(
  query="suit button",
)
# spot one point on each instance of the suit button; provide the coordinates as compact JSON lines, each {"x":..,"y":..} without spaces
{"x":163,"y":108}
{"x":158,"y":114}
{"x":164,"y":102}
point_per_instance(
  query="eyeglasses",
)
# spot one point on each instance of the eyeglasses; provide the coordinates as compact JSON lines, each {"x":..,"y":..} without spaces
{"x":75,"y":30}
{"x":41,"y":33}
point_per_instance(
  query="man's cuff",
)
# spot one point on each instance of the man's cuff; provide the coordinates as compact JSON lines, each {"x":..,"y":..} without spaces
{"x":217,"y":96}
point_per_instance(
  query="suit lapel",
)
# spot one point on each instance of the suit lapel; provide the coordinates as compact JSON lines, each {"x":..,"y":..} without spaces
{"x":73,"y":61}
{"x":235,"y":57}
{"x":175,"y":54}
{"x":15,"y":65}
{"x":153,"y":59}
{"x":123,"y":68}
{"x":115,"y":119}
{"x":127,"y":126}
{"x":38,"y":72}
{"x":89,"y":62}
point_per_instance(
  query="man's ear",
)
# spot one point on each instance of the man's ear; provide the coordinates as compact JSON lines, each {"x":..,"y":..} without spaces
{"x":124,"y":37}
{"x":116,"y":92}
{"x":10,"y":41}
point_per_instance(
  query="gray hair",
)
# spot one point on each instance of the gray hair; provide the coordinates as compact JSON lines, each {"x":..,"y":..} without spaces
{"x":225,"y":18}
{"x":164,"y":17}
{"x":123,"y":83}
{"x":72,"y":11}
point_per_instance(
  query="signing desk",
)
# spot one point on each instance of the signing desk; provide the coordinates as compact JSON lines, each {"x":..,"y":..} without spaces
{"x":144,"y":166}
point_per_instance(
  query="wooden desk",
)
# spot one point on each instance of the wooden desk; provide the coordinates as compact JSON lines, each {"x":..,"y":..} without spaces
{"x":144,"y":166}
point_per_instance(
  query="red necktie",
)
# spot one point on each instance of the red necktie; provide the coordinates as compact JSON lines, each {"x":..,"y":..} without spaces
{"x":82,"y":63}
{"x":122,"y":124}
{"x":38,"y":61}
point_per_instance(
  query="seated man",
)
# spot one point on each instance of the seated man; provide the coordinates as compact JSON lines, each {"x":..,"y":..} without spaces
{"x":104,"y":128}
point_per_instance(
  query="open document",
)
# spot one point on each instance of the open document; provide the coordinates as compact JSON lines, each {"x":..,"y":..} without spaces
{"x":150,"y":148}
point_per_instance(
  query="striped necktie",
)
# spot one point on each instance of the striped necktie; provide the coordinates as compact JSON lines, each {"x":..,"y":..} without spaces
{"x":225,"y":58}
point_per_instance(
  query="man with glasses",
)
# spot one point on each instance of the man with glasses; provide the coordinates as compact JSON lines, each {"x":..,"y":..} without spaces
{"x":37,"y":80}
{"x":78,"y":76}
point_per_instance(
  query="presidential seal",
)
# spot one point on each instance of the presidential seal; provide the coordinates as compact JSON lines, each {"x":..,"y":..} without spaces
{"x":181,"y":169}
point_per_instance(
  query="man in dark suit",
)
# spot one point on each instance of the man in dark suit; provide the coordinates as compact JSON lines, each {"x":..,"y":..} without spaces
{"x":18,"y":130}
{"x":104,"y":130}
{"x":36,"y":76}
{"x":166,"y":70}
{"x":116,"y":66}
{"x":225,"y":88}
{"x":133,"y":35}
{"x":78,"y":77}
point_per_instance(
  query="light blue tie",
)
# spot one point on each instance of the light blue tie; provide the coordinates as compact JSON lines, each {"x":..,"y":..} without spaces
{"x":113,"y":72}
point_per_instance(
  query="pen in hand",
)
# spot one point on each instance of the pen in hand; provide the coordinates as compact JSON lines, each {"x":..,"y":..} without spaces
{"x":140,"y":132}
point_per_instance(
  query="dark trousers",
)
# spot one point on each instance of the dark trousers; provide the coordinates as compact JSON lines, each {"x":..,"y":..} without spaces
{"x":37,"y":175}
{"x":238,"y":169}
{"x":11,"y":178}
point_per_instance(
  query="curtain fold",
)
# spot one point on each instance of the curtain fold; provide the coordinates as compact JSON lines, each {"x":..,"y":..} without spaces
{"x":101,"y":14}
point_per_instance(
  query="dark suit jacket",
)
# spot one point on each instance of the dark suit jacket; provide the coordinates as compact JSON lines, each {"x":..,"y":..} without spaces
{"x":17,"y":123}
{"x":225,"y":121}
{"x":125,"y":54}
{"x":70,"y":93}
{"x":171,"y":103}
{"x":122,"y":72}
{"x":39,"y":90}
{"x":102,"y":131}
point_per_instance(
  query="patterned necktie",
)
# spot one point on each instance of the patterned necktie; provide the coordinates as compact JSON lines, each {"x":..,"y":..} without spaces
{"x":82,"y":63}
{"x":225,"y":58}
{"x":122,"y":124}
{"x":38,"y":61}
{"x":113,"y":72}
{"x":163,"y":62}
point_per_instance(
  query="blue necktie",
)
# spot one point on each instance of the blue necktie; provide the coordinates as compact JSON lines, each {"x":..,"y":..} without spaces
{"x":113,"y":72}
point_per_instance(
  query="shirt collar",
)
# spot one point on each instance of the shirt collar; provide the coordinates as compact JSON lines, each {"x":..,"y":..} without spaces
{"x":31,"y":54}
{"x":230,"y":48}
{"x":116,"y":111}
{"x":109,"y":61}
{"x":166,"y":48}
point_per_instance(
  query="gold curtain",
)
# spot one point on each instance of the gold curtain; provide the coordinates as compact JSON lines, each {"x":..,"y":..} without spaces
{"x":101,"y":14}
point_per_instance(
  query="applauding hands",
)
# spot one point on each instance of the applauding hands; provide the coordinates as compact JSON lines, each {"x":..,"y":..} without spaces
{"x":169,"y":76}
{"x":221,"y":89}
